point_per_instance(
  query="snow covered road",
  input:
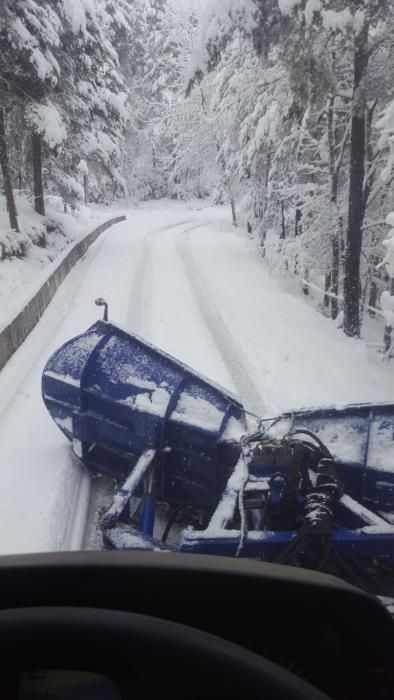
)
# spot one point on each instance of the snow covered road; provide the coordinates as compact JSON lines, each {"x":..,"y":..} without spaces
{"x":190,"y":283}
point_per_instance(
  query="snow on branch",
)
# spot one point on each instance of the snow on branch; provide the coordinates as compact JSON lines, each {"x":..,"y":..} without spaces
{"x":46,"y":120}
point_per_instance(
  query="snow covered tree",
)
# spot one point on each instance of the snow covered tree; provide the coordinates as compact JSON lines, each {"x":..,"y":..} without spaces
{"x":69,"y":81}
{"x":5,"y":93}
{"x":5,"y":169}
{"x":153,"y":82}
{"x":186,"y":129}
{"x":93,"y":98}
{"x":316,"y":186}
{"x":35,"y":30}
{"x":94,"y":81}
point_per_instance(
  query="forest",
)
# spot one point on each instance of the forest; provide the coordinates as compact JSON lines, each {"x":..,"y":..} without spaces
{"x":281,"y":109}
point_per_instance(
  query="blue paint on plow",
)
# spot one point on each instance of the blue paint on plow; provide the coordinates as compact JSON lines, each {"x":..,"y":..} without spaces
{"x":170,"y":436}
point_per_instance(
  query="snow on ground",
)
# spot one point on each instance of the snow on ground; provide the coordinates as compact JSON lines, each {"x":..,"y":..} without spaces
{"x":39,"y":476}
{"x":20,"y":278}
{"x":187,"y":281}
{"x":258,"y":338}
{"x":295,"y":354}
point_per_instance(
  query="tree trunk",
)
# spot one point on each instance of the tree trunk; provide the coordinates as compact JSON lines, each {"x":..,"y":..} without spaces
{"x":337,"y":235}
{"x":5,"y":168}
{"x":387,"y":337}
{"x":39,"y":204}
{"x":373,"y":296}
{"x":298,"y":221}
{"x":352,"y":284}
{"x":267,"y":172}
{"x":373,"y":286}
{"x":283,"y":230}
{"x":327,"y":288}
{"x":363,"y":302}
{"x":305,"y":286}
{"x":388,"y":331}
{"x":85,"y":188}
{"x":335,"y":271}
{"x":233,"y":212}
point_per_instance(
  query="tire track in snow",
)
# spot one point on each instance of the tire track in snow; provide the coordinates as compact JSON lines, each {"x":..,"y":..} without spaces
{"x":140,"y":296}
{"x":232,"y":353}
{"x":137,"y":321}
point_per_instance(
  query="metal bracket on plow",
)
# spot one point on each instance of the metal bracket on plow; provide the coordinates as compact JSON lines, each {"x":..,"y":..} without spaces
{"x":125,"y":493}
{"x":118,"y":535}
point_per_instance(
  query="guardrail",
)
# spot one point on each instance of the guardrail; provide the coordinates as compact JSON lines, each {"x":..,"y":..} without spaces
{"x":13,"y":335}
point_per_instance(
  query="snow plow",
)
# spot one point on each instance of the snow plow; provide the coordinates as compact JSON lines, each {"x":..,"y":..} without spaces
{"x":194,"y":472}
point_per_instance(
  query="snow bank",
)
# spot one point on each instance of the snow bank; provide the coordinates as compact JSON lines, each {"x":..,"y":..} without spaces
{"x":22,"y":277}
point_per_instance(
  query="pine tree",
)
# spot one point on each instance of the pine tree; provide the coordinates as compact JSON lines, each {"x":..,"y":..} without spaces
{"x":33,"y":33}
{"x":6,"y":95}
{"x":319,"y":181}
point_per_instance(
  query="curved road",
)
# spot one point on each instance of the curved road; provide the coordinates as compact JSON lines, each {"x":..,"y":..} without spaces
{"x":190,"y":284}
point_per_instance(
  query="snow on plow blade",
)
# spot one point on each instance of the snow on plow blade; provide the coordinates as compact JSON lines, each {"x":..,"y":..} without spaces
{"x":116,"y":396}
{"x":312,"y":488}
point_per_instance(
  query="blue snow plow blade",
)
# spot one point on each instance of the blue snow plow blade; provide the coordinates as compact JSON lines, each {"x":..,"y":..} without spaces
{"x":116,"y":396}
{"x":312,"y":488}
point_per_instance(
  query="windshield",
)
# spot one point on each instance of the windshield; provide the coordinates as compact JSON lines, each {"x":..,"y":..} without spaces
{"x":217,"y":177}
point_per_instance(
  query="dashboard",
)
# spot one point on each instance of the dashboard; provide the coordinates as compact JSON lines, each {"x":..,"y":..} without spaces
{"x":322,"y":630}
{"x":74,"y":685}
